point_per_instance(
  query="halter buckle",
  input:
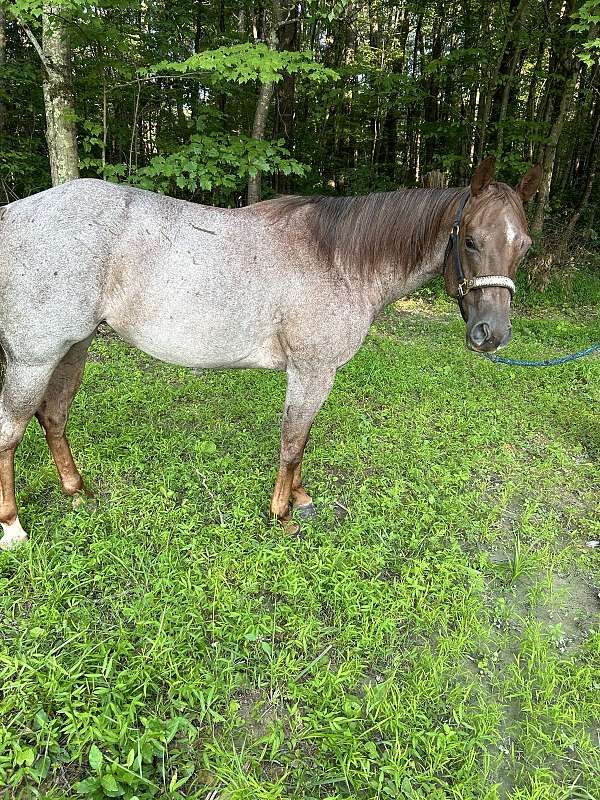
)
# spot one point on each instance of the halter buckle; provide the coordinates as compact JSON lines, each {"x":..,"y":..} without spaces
{"x":464,"y":287}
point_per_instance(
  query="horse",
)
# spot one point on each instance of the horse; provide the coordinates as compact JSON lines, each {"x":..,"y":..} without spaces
{"x":290,"y":284}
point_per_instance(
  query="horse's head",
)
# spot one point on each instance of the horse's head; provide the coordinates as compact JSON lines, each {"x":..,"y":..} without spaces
{"x":489,"y":238}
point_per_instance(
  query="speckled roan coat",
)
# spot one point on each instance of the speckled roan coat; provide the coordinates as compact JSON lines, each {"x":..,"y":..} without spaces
{"x":208,"y":287}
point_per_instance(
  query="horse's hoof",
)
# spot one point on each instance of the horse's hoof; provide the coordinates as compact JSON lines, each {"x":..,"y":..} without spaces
{"x":14,"y":535}
{"x":306,"y":512}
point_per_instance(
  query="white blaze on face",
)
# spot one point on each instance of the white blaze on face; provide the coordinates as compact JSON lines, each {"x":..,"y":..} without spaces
{"x":14,"y":535}
{"x":511,"y":232}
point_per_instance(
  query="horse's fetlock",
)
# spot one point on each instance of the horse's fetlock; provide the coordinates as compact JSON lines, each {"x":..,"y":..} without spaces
{"x":8,"y":513}
{"x":73,"y":485}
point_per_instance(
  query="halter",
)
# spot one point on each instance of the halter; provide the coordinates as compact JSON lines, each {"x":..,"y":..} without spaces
{"x":465,"y":285}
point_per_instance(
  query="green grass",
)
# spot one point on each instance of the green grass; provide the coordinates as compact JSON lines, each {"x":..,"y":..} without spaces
{"x":434,"y":634}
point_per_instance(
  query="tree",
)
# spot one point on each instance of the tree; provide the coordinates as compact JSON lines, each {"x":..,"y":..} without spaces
{"x":55,"y":59}
{"x":262,"y":109}
{"x":217,"y":101}
{"x":2,"y":63}
{"x":59,"y":101}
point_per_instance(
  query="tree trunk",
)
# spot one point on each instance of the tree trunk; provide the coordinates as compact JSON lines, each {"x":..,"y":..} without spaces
{"x":389,"y":149}
{"x":258,"y":132}
{"x":2,"y":63}
{"x":196,"y":87}
{"x":288,"y":39}
{"x":505,"y":98}
{"x":549,"y":156}
{"x":58,"y":97}
{"x":262,"y":111}
{"x":504,"y":57}
{"x":431,"y":99}
{"x":531,"y":96}
{"x":591,"y":177}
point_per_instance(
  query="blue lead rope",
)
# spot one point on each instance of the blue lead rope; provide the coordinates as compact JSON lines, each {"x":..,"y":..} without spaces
{"x":549,"y":362}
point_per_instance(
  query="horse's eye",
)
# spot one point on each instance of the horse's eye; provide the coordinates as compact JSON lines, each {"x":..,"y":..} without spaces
{"x":470,"y":244}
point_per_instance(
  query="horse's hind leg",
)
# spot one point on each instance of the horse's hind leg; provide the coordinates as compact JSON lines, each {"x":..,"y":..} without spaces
{"x":22,"y":391}
{"x":53,"y":414}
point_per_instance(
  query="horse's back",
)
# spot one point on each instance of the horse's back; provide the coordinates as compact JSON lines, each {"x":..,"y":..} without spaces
{"x":52,"y":230}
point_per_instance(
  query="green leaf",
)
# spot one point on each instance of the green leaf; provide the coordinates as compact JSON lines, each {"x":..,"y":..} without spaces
{"x":26,"y":756}
{"x":266,"y":646}
{"x":40,"y":719}
{"x":87,"y":786}
{"x":111,"y":787}
{"x":206,"y":447}
{"x":95,"y":758}
{"x":42,"y":767}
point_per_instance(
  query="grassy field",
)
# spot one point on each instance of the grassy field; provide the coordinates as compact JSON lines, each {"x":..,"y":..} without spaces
{"x":434,"y":634}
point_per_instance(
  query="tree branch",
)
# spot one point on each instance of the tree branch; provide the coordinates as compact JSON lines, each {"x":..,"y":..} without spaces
{"x":36,"y":45}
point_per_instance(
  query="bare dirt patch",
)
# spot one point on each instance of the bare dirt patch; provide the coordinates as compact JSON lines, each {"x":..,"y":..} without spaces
{"x":260,"y":713}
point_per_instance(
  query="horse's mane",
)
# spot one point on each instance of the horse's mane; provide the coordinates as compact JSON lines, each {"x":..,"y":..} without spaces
{"x":364,"y":233}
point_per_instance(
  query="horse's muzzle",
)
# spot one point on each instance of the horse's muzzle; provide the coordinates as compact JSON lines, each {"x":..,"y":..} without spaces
{"x":483,"y":338}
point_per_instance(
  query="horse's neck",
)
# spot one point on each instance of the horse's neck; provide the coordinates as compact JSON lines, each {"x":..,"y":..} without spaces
{"x":395,"y":283}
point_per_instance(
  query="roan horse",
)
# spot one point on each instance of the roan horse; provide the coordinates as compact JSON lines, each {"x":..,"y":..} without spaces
{"x":291,"y":284}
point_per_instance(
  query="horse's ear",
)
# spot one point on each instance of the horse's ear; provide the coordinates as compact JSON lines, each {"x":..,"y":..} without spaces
{"x":483,"y":175}
{"x":529,"y":183}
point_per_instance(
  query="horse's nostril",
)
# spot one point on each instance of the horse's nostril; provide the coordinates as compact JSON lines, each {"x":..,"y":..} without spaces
{"x":480,"y":333}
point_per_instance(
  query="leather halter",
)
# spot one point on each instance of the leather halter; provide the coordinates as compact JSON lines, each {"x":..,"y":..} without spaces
{"x":466,"y":285}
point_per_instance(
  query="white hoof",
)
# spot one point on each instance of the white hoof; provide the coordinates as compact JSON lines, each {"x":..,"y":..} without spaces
{"x":14,"y":535}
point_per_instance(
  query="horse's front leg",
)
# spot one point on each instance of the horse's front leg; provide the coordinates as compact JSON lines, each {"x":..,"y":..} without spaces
{"x":307,"y":390}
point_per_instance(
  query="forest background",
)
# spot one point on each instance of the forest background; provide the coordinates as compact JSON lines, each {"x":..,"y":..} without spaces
{"x":225,"y":103}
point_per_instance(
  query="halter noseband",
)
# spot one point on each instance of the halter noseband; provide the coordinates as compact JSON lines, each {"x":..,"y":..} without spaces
{"x":465,"y":285}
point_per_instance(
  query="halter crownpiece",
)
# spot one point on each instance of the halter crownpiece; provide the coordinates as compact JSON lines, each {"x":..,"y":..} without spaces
{"x":466,"y":285}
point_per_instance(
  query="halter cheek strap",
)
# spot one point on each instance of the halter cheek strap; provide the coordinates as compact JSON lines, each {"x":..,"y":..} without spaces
{"x":466,"y":285}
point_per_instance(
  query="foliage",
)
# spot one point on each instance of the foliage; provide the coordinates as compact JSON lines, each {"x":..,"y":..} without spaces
{"x":368,"y":96}
{"x":248,"y":62}
{"x":589,"y":16}
{"x":218,"y":164}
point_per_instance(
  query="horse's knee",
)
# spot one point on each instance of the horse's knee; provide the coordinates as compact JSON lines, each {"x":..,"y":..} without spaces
{"x":291,"y":456}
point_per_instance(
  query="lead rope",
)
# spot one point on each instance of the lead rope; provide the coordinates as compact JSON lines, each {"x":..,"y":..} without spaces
{"x":548,"y":362}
